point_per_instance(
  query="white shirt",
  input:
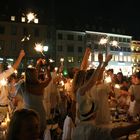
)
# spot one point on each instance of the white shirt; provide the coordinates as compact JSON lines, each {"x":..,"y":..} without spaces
{"x":4,"y":89}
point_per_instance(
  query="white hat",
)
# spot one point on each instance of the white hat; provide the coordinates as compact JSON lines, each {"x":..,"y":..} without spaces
{"x":87,"y":108}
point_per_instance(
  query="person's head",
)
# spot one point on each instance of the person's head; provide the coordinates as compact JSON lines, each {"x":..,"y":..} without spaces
{"x":110,"y":72}
{"x":120,"y":76}
{"x":24,"y":125}
{"x":87,"y":108}
{"x":31,"y":75}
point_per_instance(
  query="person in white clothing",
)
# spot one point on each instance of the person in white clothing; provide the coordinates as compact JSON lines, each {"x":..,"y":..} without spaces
{"x":3,"y":77}
{"x":5,"y":74}
{"x":88,"y":130}
{"x":69,"y":126}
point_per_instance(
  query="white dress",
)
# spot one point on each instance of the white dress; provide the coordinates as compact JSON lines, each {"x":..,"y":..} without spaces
{"x":51,"y":98}
{"x":68,"y":129}
{"x":100,"y":94}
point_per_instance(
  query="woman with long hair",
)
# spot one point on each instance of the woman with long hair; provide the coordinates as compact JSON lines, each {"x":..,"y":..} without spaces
{"x":24,"y":125}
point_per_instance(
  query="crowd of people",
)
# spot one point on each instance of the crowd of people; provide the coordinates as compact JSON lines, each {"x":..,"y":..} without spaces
{"x":46,"y":105}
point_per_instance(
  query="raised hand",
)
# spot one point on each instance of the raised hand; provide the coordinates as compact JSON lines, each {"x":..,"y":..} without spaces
{"x":22,"y":53}
{"x":108,"y":58}
{"x":100,"y":58}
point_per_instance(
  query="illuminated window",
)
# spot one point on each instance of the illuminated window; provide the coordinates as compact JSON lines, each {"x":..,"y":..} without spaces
{"x":23,"y":19}
{"x":125,"y":58}
{"x":120,"y":58}
{"x":113,"y":58}
{"x":36,"y":20}
{"x":70,"y":59}
{"x":13,"y":18}
{"x":96,"y":57}
{"x":129,"y":58}
{"x":116,"y":57}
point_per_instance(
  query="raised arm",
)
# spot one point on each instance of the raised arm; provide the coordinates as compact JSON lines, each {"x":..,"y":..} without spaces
{"x":84,"y":63}
{"x":17,"y":62}
{"x":10,"y":71}
{"x":93,"y":78}
{"x":97,"y":75}
{"x":108,"y":58}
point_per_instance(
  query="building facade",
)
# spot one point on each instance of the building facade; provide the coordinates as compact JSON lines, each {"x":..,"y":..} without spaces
{"x":135,"y":54}
{"x":15,"y":36}
{"x":66,"y":44}
{"x":117,"y":45}
{"x":70,"y":45}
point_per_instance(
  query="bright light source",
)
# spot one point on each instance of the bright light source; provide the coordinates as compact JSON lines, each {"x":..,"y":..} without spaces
{"x":15,"y":71}
{"x":56,"y":68}
{"x":23,"y":19}
{"x":36,"y":20}
{"x":9,"y":66}
{"x":114,"y":43}
{"x":30,"y":16}
{"x":25,"y":38}
{"x":51,"y":60}
{"x":13,"y":18}
{"x":121,"y":53}
{"x":3,"y":82}
{"x":61,"y":59}
{"x":10,"y":59}
{"x":38,"y":47}
{"x":117,"y":86}
{"x":108,"y":79}
{"x":103,"y":41}
{"x":30,"y":66}
{"x":45,"y":48}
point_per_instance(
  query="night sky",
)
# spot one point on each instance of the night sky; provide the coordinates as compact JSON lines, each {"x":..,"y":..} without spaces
{"x":120,"y":13}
